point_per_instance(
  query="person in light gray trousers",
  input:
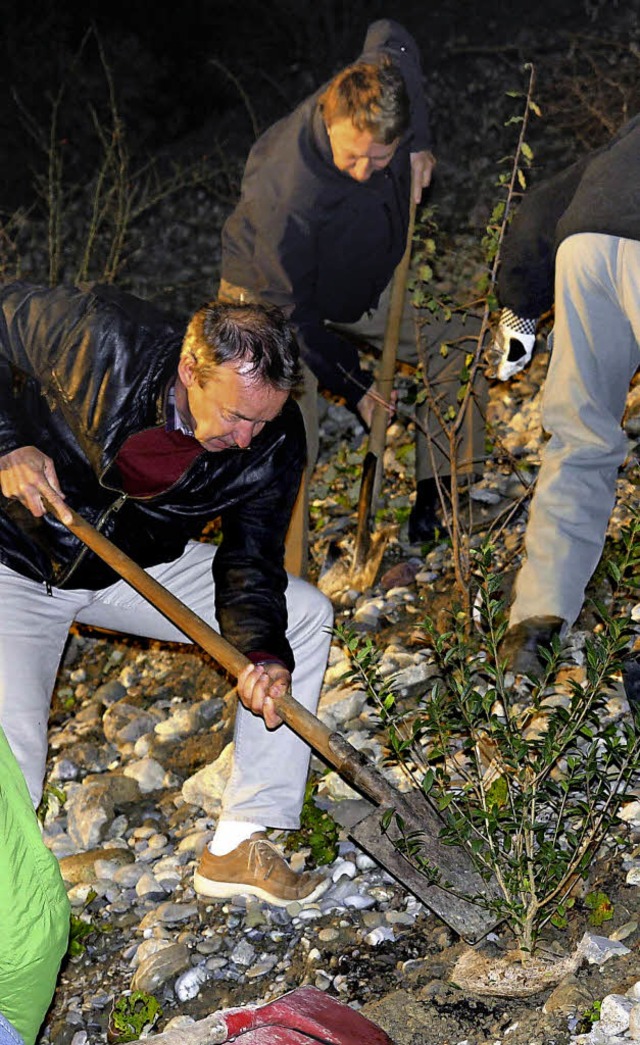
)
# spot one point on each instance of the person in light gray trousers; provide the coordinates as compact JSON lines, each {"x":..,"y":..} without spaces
{"x":576,"y":243}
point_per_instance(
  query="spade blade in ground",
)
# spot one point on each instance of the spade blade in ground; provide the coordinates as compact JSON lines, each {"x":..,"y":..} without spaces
{"x":469,"y":919}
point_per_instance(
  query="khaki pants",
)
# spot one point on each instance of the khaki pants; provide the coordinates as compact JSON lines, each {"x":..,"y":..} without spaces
{"x":420,"y":342}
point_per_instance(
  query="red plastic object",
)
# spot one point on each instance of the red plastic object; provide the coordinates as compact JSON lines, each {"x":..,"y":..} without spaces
{"x":305,"y":1016}
{"x":277,"y":1036}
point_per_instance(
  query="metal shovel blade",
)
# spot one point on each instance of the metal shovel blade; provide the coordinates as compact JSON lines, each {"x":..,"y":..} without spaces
{"x":470,"y":920}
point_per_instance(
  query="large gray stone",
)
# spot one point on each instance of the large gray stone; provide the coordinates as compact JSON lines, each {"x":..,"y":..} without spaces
{"x":205,"y":788}
{"x":161,"y":967}
{"x":124,"y":723}
{"x":91,"y":808}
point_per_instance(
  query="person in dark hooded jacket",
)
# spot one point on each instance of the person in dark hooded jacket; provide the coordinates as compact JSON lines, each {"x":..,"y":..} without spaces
{"x":319,"y":229}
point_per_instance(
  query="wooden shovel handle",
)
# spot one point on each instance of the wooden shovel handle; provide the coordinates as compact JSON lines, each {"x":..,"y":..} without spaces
{"x":193,"y":626}
{"x":346,"y":759}
{"x":372,"y":465}
{"x":386,"y":372}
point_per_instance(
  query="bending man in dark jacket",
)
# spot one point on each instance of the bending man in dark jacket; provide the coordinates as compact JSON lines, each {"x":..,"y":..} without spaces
{"x":148,"y":432}
{"x":323,"y":214}
{"x":583,"y":226}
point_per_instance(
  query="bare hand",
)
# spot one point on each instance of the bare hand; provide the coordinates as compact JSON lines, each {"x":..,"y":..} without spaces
{"x":29,"y":476}
{"x":422,"y":164}
{"x":258,"y":684}
{"x":366,"y":405}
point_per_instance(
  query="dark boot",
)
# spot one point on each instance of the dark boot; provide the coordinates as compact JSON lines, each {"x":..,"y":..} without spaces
{"x":521,"y":643}
{"x":423,"y":520}
{"x":631,"y":681}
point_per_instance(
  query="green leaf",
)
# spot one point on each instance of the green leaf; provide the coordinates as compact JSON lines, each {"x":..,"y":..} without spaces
{"x":498,"y":793}
{"x":132,"y":1014}
{"x":318,"y":830}
{"x":600,"y":906}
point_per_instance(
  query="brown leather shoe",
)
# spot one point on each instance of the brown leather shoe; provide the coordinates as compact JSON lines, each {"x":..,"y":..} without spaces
{"x":256,"y":867}
{"x":521,"y":643}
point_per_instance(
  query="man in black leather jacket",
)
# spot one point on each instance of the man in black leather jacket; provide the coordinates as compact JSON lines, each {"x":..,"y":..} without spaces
{"x":108,"y":406}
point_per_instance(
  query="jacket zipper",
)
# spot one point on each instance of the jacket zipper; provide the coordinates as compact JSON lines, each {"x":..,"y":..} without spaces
{"x":112,"y":509}
{"x":102,"y":519}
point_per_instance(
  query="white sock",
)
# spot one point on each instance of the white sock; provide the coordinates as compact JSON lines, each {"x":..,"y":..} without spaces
{"x":229,"y":834}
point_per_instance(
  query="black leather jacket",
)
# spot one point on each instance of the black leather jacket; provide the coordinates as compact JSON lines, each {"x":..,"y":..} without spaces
{"x":80,"y":372}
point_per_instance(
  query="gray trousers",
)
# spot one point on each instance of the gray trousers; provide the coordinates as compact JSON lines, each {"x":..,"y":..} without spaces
{"x":421,"y":336}
{"x":595,"y":355}
{"x":269,"y":768}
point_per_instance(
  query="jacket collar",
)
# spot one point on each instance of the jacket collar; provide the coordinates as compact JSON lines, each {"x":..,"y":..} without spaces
{"x":321,"y":138}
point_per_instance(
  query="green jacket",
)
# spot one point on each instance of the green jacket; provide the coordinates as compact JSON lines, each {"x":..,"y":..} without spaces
{"x":34,"y":910}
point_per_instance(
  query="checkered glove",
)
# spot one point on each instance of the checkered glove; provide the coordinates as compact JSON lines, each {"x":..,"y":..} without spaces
{"x":513,"y":344}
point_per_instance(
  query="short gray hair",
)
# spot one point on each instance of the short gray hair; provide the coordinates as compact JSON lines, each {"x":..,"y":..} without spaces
{"x":255,"y":334}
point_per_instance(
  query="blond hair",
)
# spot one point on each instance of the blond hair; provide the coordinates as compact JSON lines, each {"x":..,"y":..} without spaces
{"x":373,"y":96}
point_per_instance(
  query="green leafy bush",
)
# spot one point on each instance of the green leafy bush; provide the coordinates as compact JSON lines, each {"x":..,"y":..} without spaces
{"x":529,"y":781}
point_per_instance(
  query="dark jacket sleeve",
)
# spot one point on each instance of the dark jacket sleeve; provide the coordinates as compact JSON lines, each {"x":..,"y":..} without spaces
{"x":28,"y":340}
{"x":596,"y":194}
{"x":333,"y":359}
{"x":389,"y":38}
{"x":526,"y":275}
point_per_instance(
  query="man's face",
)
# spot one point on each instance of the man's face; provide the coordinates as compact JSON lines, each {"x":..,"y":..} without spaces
{"x":230,"y":408}
{"x":355,"y":152}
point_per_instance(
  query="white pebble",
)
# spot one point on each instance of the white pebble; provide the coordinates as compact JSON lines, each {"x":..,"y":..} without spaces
{"x":614,"y":1013}
{"x":379,"y":935}
{"x":189,"y":983}
{"x":343,"y":868}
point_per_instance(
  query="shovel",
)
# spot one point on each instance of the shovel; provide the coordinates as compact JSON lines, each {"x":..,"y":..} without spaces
{"x":368,"y":548}
{"x":372,"y":467}
{"x":406,"y":815}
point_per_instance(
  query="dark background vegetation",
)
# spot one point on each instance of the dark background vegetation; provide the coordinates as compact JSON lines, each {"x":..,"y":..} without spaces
{"x":175,"y":96}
